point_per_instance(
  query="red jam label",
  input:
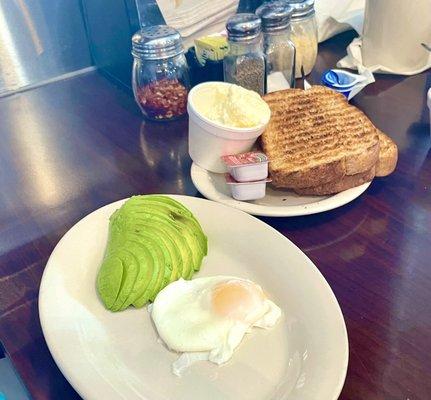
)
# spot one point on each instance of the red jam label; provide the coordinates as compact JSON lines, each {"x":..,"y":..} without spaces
{"x":231,"y":181}
{"x":252,"y":157}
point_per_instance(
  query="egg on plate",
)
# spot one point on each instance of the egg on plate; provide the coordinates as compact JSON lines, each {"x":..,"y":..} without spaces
{"x":206,"y":318}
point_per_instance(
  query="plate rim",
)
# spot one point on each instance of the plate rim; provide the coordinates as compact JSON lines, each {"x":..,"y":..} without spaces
{"x":267,"y":211}
{"x":42,"y":306}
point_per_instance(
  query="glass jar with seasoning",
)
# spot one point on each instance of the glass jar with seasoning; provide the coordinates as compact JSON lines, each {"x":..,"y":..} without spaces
{"x":244,"y":63}
{"x":279,"y":50}
{"x":303,"y":34}
{"x":160,"y":77}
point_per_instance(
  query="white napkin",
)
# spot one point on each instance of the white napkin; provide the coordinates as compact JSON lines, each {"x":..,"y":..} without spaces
{"x":391,"y":38}
{"x":197,"y":18}
{"x":335,"y":16}
{"x":368,"y":78}
{"x":353,"y":60}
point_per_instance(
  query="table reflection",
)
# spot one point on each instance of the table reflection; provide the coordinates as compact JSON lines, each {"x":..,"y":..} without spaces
{"x":165,"y":150}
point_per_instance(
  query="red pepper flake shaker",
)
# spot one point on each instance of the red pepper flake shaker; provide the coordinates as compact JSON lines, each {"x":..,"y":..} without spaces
{"x":160,"y":73}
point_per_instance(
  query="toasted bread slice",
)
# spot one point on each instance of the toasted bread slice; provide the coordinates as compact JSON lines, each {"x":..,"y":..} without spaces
{"x":316,"y":137}
{"x":346,"y":182}
{"x":388,"y":155}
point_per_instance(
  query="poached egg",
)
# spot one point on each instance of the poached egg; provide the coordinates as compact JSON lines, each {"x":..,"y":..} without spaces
{"x":206,"y":318}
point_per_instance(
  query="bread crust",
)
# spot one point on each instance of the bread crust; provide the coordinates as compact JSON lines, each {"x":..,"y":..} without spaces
{"x":316,"y":137}
{"x":388,"y":155}
{"x":347,"y":182}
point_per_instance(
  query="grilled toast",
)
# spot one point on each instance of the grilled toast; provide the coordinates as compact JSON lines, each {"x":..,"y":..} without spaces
{"x":388,"y":155}
{"x":346,"y":182}
{"x":315,"y":137}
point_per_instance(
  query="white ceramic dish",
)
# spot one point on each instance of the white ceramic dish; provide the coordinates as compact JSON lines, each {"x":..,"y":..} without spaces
{"x":208,"y":140}
{"x":276,"y":203}
{"x":113,"y":356}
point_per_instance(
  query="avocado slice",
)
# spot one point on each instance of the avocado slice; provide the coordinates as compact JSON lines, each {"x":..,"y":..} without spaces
{"x":167,"y":235}
{"x":149,"y":275}
{"x":161,"y":257}
{"x":180,"y":211}
{"x":153,"y":240}
{"x":130,"y":272}
{"x":182,"y":228}
{"x":177,"y":214}
{"x":109,"y":280}
{"x":142,"y":230}
{"x":172,"y":229}
{"x":145,"y":273}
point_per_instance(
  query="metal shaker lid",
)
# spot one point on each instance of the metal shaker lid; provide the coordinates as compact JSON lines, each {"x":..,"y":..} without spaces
{"x":156,"y":42}
{"x":243,"y":27}
{"x":275,"y":16}
{"x":301,"y":8}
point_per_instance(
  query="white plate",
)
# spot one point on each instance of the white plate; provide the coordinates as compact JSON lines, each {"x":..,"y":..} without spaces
{"x":276,"y":203}
{"x":113,"y":356}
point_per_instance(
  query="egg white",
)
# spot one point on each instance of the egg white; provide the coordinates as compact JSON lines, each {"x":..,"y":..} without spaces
{"x":186,"y":322}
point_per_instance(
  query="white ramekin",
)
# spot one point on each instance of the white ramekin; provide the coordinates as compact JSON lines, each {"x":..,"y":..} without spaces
{"x":208,"y":141}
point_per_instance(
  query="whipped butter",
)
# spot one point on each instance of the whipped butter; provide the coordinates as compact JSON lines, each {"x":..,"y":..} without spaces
{"x":231,"y":105}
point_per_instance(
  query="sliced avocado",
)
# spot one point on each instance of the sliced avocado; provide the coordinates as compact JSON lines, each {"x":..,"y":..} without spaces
{"x":153,"y":240}
{"x":180,"y":211}
{"x":121,"y":236}
{"x":184,"y":230}
{"x":164,"y":232}
{"x":172,"y":230}
{"x":109,"y":280}
{"x":161,"y":257}
{"x":146,"y":270}
{"x":130,"y":272}
{"x":157,"y":278}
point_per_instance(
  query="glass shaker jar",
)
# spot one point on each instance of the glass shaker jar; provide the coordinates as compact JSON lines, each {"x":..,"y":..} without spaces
{"x":160,"y":77}
{"x":279,"y":50}
{"x":303,"y":34}
{"x":244,"y":63}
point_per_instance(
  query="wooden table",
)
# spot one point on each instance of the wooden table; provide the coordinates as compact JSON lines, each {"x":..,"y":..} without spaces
{"x":75,"y":145}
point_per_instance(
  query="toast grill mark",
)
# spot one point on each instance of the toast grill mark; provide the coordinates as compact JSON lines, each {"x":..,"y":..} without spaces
{"x":315,"y":137}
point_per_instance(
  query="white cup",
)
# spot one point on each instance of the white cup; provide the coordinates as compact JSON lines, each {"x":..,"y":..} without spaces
{"x":208,"y":140}
{"x":392,"y":33}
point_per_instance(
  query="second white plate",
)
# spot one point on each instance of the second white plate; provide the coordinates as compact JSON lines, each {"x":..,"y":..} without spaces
{"x":276,"y":203}
{"x":117,"y":356}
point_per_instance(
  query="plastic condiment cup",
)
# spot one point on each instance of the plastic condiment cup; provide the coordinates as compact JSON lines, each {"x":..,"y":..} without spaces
{"x":247,"y":167}
{"x":245,"y":191}
{"x":208,"y":140}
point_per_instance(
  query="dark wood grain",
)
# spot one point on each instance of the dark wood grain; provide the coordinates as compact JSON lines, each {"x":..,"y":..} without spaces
{"x":72,"y":146}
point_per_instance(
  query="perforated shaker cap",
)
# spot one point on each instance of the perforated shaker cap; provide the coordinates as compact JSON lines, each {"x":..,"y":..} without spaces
{"x":275,"y":15}
{"x":156,"y":42}
{"x":301,"y":8}
{"x":243,"y":27}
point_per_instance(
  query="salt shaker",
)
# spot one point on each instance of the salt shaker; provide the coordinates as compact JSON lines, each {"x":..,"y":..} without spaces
{"x":279,"y":50}
{"x":303,"y":34}
{"x":244,"y":64}
{"x":160,"y":73}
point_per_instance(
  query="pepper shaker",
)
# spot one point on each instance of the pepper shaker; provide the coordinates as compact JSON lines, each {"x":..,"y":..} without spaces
{"x":244,"y":63}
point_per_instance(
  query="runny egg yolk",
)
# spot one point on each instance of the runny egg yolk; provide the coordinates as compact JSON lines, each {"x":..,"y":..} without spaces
{"x":236,"y":299}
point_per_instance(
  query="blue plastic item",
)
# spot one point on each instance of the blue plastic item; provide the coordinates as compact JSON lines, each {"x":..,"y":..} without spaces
{"x":340,"y":80}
